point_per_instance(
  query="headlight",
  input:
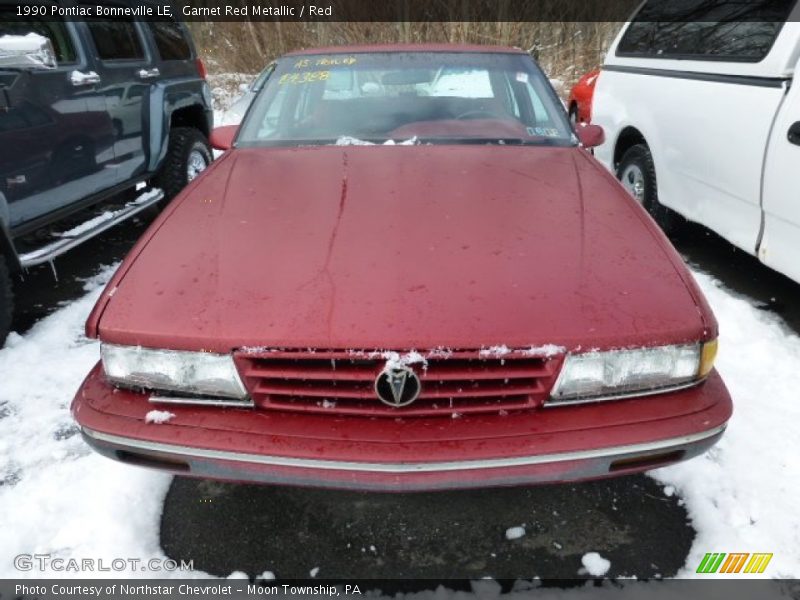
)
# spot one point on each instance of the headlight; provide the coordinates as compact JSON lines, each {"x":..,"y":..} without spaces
{"x":620,"y":373}
{"x":177,"y":371}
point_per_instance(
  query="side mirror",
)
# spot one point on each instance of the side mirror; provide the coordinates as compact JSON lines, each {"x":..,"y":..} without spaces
{"x":590,"y":135}
{"x":29,"y":51}
{"x":222,"y":137}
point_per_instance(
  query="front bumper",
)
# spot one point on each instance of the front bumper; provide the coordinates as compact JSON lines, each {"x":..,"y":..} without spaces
{"x":548,"y":445}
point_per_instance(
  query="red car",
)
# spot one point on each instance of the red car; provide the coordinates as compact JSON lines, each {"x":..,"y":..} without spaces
{"x":580,"y":98}
{"x":404,"y":273}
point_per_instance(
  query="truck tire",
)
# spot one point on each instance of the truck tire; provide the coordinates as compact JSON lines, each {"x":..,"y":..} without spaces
{"x":6,"y":300}
{"x":637,"y":173}
{"x":188,"y":153}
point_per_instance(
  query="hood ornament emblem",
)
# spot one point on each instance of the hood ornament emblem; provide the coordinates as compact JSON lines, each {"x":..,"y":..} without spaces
{"x":397,"y":386}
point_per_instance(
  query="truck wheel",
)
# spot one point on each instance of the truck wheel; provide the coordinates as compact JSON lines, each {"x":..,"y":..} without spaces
{"x":6,"y":300}
{"x":188,"y":153}
{"x":637,"y":173}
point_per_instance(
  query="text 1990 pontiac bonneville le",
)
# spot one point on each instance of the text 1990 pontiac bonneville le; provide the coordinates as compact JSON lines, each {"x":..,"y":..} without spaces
{"x":406,"y":272}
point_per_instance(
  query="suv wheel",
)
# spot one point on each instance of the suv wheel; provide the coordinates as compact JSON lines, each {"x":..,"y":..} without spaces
{"x":6,"y":300}
{"x":188,"y":154}
{"x":637,"y":173}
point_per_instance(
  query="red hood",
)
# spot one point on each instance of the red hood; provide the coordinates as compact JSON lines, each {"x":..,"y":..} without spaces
{"x":402,"y":247}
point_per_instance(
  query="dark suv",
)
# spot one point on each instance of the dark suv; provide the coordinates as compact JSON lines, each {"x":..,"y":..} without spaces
{"x":99,"y":120}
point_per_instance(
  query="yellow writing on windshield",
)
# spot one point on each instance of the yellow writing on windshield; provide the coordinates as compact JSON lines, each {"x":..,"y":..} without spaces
{"x":306,"y":77}
{"x":304,"y":63}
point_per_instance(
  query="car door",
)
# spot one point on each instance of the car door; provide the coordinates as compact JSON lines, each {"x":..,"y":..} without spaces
{"x":127,"y":70}
{"x":780,"y":244}
{"x":55,"y":134}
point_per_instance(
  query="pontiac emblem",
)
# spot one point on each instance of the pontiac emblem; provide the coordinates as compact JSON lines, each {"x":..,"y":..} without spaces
{"x":397,"y":386}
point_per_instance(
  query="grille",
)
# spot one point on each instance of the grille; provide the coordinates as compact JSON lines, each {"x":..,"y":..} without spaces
{"x":342,"y":382}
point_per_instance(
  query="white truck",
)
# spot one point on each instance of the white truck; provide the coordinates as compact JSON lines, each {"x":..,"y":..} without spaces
{"x":702,"y":119}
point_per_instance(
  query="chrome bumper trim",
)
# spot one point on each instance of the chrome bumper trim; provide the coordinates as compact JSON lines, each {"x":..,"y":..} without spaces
{"x":400,"y":468}
{"x":201,"y":401}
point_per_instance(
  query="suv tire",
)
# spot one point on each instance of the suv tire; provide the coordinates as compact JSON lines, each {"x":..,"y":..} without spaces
{"x":637,"y":173}
{"x":6,"y":300}
{"x":188,"y":153}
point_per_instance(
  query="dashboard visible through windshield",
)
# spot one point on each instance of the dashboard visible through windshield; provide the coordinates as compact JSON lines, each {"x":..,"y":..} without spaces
{"x":406,"y":97}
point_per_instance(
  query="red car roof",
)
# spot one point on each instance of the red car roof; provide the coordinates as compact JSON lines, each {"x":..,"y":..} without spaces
{"x":408,"y":48}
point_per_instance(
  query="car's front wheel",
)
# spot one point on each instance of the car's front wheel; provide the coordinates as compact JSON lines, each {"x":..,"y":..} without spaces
{"x":188,"y":155}
{"x":6,"y":300}
{"x":637,"y":173}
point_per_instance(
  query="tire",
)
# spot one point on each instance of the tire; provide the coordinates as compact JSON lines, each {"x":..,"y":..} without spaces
{"x":637,"y":173}
{"x":186,"y":144}
{"x":6,"y":300}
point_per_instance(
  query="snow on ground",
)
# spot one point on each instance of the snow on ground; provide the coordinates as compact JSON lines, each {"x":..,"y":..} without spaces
{"x":226,"y":88}
{"x":56,"y":496}
{"x":743,"y":493}
{"x":594,"y":564}
{"x":514,"y":533}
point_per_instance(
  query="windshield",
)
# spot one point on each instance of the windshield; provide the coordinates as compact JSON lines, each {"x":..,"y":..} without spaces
{"x":425,"y":97}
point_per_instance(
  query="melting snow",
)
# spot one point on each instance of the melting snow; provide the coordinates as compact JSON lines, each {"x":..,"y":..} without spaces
{"x":347,"y":140}
{"x":545,"y":351}
{"x":158,"y":416}
{"x":595,"y":565}
{"x":395,"y":360}
{"x":495,"y":351}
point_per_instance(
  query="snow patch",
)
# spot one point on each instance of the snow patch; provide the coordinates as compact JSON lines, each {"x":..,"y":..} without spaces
{"x":495,"y":351}
{"x":257,"y":350}
{"x":594,"y":564}
{"x":395,"y":360}
{"x":66,"y":499}
{"x":514,"y":533}
{"x":346,"y":140}
{"x":238,"y":575}
{"x":545,"y":351}
{"x":743,"y":492}
{"x":107,"y":215}
{"x":158,"y":416}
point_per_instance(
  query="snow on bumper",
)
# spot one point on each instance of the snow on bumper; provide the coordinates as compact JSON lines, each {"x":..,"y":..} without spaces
{"x":550,"y":445}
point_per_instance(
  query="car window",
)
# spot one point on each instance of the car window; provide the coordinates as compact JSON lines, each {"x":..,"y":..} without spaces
{"x":703,"y":30}
{"x":55,"y":30}
{"x":116,"y":40}
{"x":170,"y":40}
{"x":435,"y":97}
